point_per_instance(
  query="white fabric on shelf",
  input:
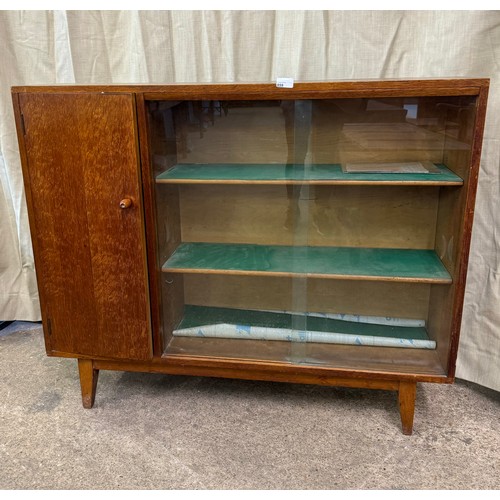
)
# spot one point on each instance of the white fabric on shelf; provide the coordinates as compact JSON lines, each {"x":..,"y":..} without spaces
{"x":49,"y":47}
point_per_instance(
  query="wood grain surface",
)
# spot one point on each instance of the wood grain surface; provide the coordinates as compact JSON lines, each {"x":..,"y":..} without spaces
{"x":340,"y":88}
{"x":351,"y":362}
{"x":406,"y":399}
{"x":88,"y":381}
{"x":82,"y":160}
{"x":79,"y":147}
{"x":366,"y":216}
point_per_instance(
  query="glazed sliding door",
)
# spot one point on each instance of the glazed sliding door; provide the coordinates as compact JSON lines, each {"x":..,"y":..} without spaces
{"x":81,"y":171}
{"x":314,"y":231}
{"x":226,"y":227}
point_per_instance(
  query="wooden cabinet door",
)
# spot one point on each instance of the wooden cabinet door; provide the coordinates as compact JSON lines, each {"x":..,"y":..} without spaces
{"x":80,"y":161}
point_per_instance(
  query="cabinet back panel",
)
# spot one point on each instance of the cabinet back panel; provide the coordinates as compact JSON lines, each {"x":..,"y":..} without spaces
{"x":367,"y":216}
{"x":407,"y":300}
{"x":304,"y":131}
{"x":90,"y":254}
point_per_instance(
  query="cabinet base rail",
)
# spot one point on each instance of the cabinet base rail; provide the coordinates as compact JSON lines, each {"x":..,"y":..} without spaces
{"x":407,"y":389}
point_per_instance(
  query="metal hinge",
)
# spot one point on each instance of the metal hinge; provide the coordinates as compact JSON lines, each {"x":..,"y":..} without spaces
{"x":22,"y":124}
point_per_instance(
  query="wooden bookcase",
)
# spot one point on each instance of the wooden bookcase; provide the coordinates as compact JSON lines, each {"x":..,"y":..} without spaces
{"x":318,"y":234}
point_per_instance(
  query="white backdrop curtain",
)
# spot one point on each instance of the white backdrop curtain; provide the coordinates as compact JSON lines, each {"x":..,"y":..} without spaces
{"x":49,"y":47}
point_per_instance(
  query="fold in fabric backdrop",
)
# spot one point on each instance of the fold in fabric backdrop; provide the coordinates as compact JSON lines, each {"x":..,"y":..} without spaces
{"x":88,"y":47}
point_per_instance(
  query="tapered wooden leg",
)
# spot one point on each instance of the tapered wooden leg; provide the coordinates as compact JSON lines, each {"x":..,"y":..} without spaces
{"x":88,"y":381}
{"x":406,"y":398}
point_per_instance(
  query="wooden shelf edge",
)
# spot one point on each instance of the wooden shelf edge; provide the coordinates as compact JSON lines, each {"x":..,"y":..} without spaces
{"x":308,"y":182}
{"x":398,"y":279}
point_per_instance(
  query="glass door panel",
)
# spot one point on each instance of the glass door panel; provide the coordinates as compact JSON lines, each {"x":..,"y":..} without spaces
{"x":310,"y":231}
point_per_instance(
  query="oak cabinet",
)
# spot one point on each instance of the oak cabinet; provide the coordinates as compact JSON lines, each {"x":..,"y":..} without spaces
{"x":81,"y":159}
{"x":318,"y":234}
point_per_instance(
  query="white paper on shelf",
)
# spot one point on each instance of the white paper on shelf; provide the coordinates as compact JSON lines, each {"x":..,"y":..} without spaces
{"x":227,"y":331}
{"x":408,"y":167}
{"x":357,"y":318}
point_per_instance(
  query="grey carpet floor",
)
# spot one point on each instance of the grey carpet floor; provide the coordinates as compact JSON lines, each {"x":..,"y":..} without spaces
{"x":150,"y":431}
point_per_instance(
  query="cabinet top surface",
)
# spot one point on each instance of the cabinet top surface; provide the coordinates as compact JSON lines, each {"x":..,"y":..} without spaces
{"x":417,"y":86}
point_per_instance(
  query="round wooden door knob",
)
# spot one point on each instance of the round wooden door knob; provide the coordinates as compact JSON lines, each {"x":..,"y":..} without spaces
{"x":126,"y":203}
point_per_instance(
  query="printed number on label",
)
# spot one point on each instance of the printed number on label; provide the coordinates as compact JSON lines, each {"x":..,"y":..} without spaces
{"x":285,"y":83}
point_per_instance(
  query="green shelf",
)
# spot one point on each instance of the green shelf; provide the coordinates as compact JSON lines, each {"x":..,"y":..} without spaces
{"x":273,"y":173}
{"x":385,"y":264}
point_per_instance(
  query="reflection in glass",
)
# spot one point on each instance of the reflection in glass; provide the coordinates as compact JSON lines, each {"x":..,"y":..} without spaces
{"x":290,"y":229}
